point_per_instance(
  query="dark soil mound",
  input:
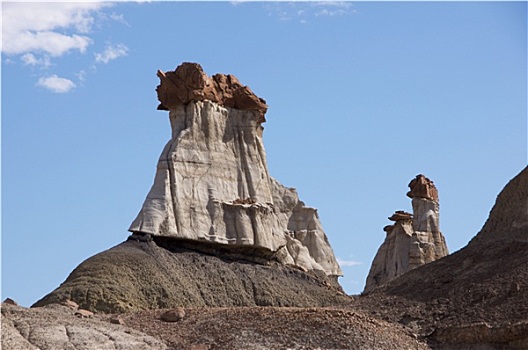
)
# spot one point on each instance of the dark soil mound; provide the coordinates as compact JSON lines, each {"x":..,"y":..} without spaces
{"x":137,"y":275}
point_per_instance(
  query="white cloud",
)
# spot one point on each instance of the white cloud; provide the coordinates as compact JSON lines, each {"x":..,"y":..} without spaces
{"x":118,"y":18}
{"x":332,"y":8}
{"x":38,"y":32}
{"x":56,"y":84}
{"x":44,"y":27}
{"x":31,"y":60}
{"x":81,"y":75}
{"x":303,"y":10}
{"x":342,"y":262}
{"x":52,"y":43}
{"x":111,"y":53}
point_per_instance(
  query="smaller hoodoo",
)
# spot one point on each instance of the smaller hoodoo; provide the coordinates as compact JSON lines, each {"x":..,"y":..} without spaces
{"x":413,"y":240}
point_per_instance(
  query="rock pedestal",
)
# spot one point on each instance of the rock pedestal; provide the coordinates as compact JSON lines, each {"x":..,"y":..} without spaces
{"x":212,"y":182}
{"x":414,"y":240}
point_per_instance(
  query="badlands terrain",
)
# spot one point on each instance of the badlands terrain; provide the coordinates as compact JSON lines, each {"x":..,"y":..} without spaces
{"x":222,"y":256}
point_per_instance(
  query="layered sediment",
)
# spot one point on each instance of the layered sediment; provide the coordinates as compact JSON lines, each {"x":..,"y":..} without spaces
{"x":212,"y":182}
{"x":414,"y":239}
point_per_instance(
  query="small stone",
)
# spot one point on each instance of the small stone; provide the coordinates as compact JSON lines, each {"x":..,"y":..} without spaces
{"x":173,"y":315}
{"x":71,"y":304}
{"x":515,"y":287}
{"x":10,"y":301}
{"x":200,"y":347}
{"x":118,"y":320}
{"x":82,"y":313}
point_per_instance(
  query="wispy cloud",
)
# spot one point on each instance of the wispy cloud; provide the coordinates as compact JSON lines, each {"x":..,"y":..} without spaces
{"x":342,"y":262}
{"x":303,"y":11}
{"x":56,"y":84}
{"x":30,"y":60}
{"x":332,"y":8}
{"x":111,"y":53}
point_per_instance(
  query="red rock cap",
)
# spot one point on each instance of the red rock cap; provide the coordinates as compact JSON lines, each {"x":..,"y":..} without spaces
{"x":189,"y":83}
{"x":422,"y":187}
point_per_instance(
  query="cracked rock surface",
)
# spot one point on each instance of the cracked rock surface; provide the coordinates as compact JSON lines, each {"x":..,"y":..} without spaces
{"x":56,"y":327}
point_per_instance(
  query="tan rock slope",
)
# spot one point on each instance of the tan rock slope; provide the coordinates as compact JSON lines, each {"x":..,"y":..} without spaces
{"x":414,"y":239}
{"x":212,"y":182}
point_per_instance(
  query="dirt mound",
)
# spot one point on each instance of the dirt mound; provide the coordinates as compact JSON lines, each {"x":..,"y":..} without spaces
{"x":478,"y":295}
{"x":137,"y":275}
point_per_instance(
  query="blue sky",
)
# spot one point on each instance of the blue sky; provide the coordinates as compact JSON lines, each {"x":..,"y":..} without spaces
{"x":362,"y":97}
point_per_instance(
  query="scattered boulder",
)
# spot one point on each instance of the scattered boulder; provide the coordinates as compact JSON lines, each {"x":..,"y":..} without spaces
{"x":71,"y":304}
{"x":82,"y":313}
{"x":173,"y":315}
{"x":118,"y":320}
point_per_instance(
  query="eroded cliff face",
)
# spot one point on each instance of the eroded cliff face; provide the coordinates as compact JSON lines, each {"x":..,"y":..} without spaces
{"x":212,"y":182}
{"x":414,"y":239}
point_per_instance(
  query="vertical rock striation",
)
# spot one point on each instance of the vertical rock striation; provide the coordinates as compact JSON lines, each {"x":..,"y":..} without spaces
{"x":212,"y":182}
{"x":414,"y":240}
